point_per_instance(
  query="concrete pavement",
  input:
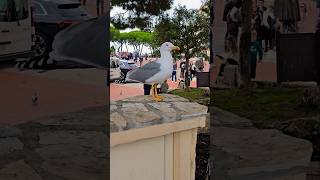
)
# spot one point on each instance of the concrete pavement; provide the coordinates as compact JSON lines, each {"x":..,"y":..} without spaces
{"x":58,"y":91}
{"x":122,"y":91}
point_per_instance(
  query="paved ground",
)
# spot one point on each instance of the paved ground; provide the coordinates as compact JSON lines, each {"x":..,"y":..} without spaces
{"x":69,"y":146}
{"x":241,"y":151}
{"x":122,"y":91}
{"x":58,"y":92}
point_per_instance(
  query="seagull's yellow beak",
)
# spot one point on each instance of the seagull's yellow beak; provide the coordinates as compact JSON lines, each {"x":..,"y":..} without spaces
{"x":175,"y":48}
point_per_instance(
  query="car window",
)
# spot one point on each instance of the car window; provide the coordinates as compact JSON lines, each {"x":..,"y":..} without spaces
{"x":13,"y":10}
{"x":38,"y":9}
{"x":72,"y":10}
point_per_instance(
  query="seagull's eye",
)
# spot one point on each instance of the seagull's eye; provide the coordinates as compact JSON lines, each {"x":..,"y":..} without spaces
{"x":167,"y":45}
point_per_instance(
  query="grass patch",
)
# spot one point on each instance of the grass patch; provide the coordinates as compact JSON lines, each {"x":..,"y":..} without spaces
{"x":194,"y":94}
{"x":265,"y":105}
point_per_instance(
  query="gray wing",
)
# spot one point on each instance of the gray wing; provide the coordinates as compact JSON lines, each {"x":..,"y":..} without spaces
{"x":143,"y":73}
{"x":83,"y":42}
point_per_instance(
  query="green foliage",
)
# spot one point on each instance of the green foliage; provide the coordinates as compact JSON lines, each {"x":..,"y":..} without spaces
{"x":114,"y":33}
{"x":187,"y":29}
{"x":139,"y":13}
{"x":137,"y":39}
{"x":193,"y":94}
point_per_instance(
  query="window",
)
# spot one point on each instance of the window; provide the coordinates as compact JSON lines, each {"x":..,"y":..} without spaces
{"x":71,"y":10}
{"x":38,"y":9}
{"x":13,"y":10}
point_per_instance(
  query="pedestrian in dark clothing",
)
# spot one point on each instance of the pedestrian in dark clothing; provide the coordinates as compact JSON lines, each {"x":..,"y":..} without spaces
{"x":174,"y":72}
{"x":190,"y":72}
{"x":146,"y":88}
{"x":268,"y":22}
{"x":257,"y":25}
{"x":227,"y":8}
{"x":183,"y":68}
{"x":255,"y":50}
{"x":234,"y":20}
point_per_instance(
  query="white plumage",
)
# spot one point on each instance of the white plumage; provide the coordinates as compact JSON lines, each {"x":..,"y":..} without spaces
{"x":155,"y":72}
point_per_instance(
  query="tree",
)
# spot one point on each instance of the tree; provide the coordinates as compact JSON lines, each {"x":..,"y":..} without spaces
{"x":114,"y":33}
{"x":138,"y":13}
{"x":245,"y":43}
{"x":139,"y":39}
{"x":188,"y":29}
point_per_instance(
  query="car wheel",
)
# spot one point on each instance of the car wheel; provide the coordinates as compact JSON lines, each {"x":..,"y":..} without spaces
{"x":123,"y":77}
{"x":41,"y":47}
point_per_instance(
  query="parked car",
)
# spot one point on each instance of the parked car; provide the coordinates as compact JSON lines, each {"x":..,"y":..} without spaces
{"x":15,"y":29}
{"x":114,"y":62}
{"x":126,"y":66}
{"x":52,"y":16}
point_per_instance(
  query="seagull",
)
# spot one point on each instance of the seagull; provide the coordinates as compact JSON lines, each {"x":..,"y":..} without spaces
{"x":155,"y":72}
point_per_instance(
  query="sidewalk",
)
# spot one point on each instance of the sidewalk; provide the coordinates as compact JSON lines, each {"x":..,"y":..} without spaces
{"x":241,"y":151}
{"x":58,"y":92}
{"x":122,"y":91}
{"x":64,"y":146}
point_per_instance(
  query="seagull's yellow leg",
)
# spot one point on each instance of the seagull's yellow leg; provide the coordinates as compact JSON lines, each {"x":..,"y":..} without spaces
{"x":152,"y":91}
{"x":156,"y":95}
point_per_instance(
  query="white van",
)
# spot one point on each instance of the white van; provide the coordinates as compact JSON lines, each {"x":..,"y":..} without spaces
{"x":15,"y":29}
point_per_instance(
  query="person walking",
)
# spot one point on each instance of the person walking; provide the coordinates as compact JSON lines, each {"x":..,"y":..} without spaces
{"x":265,"y":25}
{"x":194,"y":69}
{"x":255,"y":50}
{"x":257,"y":24}
{"x":190,"y":72}
{"x":272,"y":21}
{"x":174,"y":72}
{"x":231,"y":56}
{"x":182,"y":69}
{"x":234,"y":20}
{"x":227,"y":8}
{"x":146,"y":88}
{"x":140,"y":61}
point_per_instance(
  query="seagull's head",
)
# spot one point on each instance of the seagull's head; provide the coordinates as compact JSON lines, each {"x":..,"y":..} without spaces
{"x":168,"y":46}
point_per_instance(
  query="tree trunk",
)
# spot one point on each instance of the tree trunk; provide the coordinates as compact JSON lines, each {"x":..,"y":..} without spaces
{"x":245,"y":43}
{"x":212,"y":3}
{"x":141,"y":50}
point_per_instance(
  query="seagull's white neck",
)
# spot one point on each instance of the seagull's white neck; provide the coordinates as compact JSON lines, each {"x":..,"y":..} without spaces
{"x":166,"y":55}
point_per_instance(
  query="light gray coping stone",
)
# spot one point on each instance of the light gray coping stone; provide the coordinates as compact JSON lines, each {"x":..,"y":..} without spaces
{"x":143,"y":111}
